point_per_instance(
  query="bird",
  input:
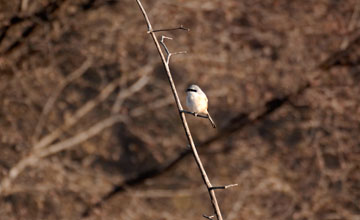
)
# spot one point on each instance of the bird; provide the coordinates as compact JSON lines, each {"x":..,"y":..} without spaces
{"x":197,"y":102}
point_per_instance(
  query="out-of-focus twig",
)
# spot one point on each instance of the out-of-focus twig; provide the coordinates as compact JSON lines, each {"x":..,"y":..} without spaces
{"x":123,"y":94}
{"x":44,"y":147}
{"x":36,"y":155}
{"x":52,"y":99}
{"x":81,"y":112}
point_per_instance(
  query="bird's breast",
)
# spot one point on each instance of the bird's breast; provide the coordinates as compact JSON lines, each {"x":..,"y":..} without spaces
{"x":196,"y":103}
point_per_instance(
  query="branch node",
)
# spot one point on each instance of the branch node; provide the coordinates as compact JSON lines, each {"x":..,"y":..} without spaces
{"x":223,"y":187}
{"x":166,"y":49}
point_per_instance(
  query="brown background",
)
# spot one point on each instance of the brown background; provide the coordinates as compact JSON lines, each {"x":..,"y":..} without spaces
{"x":282,"y":78}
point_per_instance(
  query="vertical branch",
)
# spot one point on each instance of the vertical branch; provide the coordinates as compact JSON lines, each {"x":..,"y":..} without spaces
{"x":165,"y":61}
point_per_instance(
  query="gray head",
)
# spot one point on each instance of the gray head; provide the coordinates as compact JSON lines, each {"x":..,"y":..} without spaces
{"x":193,"y":88}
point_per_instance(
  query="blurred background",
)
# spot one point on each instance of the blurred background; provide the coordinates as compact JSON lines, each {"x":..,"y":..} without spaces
{"x":89,"y":127}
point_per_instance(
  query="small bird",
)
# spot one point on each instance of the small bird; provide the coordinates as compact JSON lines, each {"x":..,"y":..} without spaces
{"x":197,"y":102}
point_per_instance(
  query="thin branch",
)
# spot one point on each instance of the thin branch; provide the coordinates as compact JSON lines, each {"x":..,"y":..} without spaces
{"x":168,"y":54}
{"x":182,"y":114}
{"x":162,"y":41}
{"x":43,"y":148}
{"x":52,"y":99}
{"x":81,"y":137}
{"x":123,"y":94}
{"x":208,"y":217}
{"x":180,"y":52}
{"x":223,"y":187}
{"x":236,"y":124}
{"x":81,"y":112}
{"x":195,"y":114}
{"x":171,"y":29}
{"x":36,"y":155}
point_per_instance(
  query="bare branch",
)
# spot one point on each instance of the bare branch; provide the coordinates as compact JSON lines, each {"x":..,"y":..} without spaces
{"x":180,"y":52}
{"x":69,"y":122}
{"x":223,"y":187}
{"x":168,"y":54}
{"x":194,"y":114}
{"x":81,"y":137}
{"x":180,"y":108}
{"x":55,"y":148}
{"x":52,"y":99}
{"x":208,"y":217}
{"x":43,"y":148}
{"x":123,"y":94}
{"x":171,"y":29}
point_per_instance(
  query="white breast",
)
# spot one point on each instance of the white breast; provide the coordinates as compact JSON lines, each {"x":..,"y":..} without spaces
{"x":196,"y":102}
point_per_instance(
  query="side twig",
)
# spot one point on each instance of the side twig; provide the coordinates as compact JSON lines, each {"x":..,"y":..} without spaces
{"x":171,"y":29}
{"x":165,"y":61}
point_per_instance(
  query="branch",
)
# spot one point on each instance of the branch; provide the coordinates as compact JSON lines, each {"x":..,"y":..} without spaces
{"x":36,"y":155}
{"x":223,"y":187}
{"x":195,"y":114}
{"x":182,"y":114}
{"x":170,"y":29}
{"x":162,"y":42}
{"x":208,"y":217}
{"x":52,"y":99}
{"x":234,"y":125}
{"x":44,"y":147}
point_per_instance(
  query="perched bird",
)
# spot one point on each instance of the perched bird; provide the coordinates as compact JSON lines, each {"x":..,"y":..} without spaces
{"x":197,"y":102}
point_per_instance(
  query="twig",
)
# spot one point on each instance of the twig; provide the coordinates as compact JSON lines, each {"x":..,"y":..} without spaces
{"x":162,"y":42}
{"x":81,"y":112}
{"x":171,"y":29}
{"x":223,"y":187}
{"x":36,"y":155}
{"x":182,"y":114}
{"x":236,"y":124}
{"x":208,"y":217}
{"x":195,"y":114}
{"x":123,"y":94}
{"x":52,"y":99}
{"x":44,"y":147}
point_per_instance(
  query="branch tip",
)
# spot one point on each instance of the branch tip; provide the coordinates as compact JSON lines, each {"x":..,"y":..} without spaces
{"x":208,"y":217}
{"x":180,"y":52}
{"x":165,"y":37}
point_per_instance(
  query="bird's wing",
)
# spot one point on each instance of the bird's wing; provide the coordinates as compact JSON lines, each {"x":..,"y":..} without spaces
{"x":205,"y":97}
{"x":204,"y":102}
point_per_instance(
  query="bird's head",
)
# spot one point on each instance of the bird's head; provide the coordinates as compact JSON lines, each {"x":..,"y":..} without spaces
{"x":193,"y":88}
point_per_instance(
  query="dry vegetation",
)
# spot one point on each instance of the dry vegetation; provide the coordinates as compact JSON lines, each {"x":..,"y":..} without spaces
{"x":88,"y":127}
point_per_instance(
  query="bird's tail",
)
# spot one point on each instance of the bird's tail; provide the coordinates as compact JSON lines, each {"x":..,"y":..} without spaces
{"x":211,"y":120}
